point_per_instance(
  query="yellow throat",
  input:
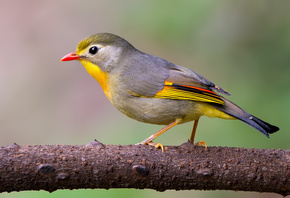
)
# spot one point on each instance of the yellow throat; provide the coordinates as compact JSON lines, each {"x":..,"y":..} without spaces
{"x":98,"y":74}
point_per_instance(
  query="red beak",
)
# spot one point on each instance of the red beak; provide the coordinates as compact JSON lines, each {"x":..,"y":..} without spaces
{"x":70,"y":57}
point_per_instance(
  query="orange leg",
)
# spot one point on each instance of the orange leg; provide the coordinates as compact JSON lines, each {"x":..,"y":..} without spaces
{"x":158,"y":133}
{"x":191,"y":140}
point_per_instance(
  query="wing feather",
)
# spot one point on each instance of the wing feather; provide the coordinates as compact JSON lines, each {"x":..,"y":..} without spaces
{"x":184,"y":76}
{"x":148,"y":76}
{"x":185,"y":92}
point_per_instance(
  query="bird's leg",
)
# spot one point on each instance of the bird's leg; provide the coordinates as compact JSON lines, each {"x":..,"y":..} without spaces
{"x":158,"y":133}
{"x":191,"y":140}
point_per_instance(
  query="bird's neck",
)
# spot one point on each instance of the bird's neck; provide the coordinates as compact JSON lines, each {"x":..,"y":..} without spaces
{"x":98,"y":74}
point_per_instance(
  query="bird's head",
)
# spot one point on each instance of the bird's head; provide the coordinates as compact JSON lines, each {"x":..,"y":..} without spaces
{"x":103,"y":50}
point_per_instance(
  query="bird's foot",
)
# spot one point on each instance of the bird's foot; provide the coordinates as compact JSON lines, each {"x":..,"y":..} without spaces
{"x":200,"y":143}
{"x":156,"y":145}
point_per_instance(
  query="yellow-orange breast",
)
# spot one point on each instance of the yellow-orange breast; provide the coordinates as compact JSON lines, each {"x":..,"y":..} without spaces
{"x":99,"y":75}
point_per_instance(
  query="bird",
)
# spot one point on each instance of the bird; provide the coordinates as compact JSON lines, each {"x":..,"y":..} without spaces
{"x":152,"y":90}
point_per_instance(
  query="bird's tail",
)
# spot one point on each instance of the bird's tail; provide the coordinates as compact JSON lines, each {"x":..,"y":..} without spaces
{"x":260,"y":125}
{"x":237,"y":112}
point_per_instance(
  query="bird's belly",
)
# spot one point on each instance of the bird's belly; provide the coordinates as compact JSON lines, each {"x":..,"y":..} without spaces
{"x":157,"y":111}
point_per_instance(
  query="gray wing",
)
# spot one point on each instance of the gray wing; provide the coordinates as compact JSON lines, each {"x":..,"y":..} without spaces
{"x":145,"y":75}
{"x":184,"y":76}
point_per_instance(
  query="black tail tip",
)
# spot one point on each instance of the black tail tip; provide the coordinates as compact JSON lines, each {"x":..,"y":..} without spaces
{"x":274,"y":129}
{"x":268,"y":128}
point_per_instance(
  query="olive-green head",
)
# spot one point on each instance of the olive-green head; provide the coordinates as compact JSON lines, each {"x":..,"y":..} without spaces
{"x":103,"y":50}
{"x":103,"y":39}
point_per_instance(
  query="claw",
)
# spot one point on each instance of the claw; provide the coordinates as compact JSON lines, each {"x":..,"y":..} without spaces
{"x":156,"y":145}
{"x":148,"y":141}
{"x":200,"y":143}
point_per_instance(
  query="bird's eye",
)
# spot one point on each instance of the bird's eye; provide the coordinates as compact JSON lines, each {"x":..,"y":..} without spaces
{"x":93,"y":50}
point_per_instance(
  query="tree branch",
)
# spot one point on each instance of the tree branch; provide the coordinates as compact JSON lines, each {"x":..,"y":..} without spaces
{"x":184,"y":167}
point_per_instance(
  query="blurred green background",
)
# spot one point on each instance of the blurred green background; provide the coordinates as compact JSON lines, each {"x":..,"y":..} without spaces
{"x":242,"y":46}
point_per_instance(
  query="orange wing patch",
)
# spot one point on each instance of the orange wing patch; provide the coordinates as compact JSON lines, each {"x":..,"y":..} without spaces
{"x":186,"y":92}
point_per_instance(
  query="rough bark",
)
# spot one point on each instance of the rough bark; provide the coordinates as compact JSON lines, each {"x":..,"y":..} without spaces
{"x":184,"y":167}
